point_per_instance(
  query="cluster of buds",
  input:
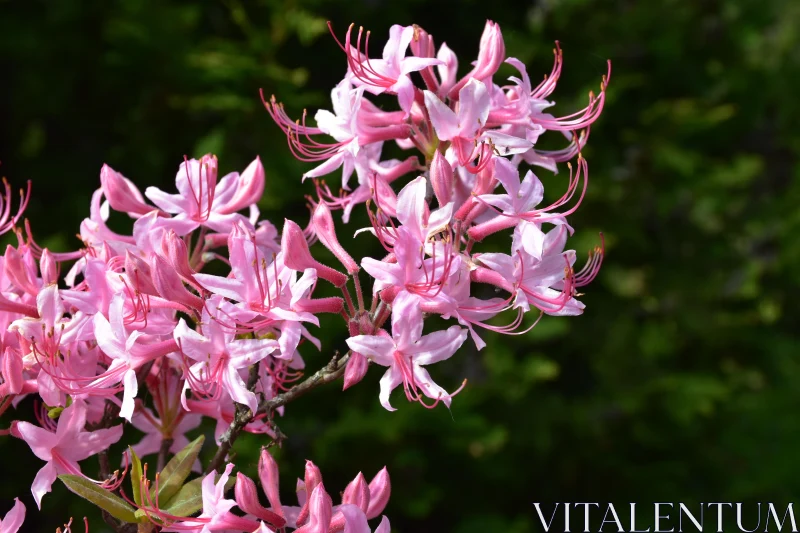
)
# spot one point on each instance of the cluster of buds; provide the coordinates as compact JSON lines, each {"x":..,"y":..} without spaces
{"x":207,"y":306}
{"x":361,"y":501}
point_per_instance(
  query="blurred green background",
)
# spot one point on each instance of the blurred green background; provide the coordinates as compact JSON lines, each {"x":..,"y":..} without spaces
{"x":679,"y":383}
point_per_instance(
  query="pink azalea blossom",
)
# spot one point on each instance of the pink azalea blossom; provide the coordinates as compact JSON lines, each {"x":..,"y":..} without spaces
{"x":66,"y":446}
{"x":218,"y":357}
{"x":390,"y":73}
{"x":202,"y":200}
{"x":407,"y":351}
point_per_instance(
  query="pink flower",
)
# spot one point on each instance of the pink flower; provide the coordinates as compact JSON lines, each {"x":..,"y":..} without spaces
{"x":466,"y":128}
{"x":407,"y":351}
{"x":66,"y":446}
{"x":219,"y":356}
{"x":126,"y":351}
{"x":359,"y":134}
{"x":202,"y":201}
{"x":389,"y":74}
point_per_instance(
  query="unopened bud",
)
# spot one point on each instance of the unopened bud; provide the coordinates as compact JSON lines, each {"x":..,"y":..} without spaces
{"x":322,"y":221}
{"x":170,"y":285}
{"x":441,"y":176}
{"x":297,"y":256}
{"x":246,"y":497}
{"x":355,"y":370}
{"x":121,"y":193}
{"x":357,"y":492}
{"x":269,"y":476}
{"x":380,"y":488}
{"x":48,"y":267}
{"x":138,"y":272}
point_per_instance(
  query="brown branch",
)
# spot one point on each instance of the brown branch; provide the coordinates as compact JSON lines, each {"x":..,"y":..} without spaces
{"x":163,"y":451}
{"x":330,"y":372}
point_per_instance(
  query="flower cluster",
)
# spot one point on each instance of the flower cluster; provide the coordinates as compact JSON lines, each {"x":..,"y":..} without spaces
{"x":206,"y":305}
{"x":473,"y":136}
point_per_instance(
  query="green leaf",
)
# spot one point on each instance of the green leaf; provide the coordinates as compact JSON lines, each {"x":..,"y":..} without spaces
{"x":187,"y":501}
{"x":178,"y":469}
{"x":101,"y":497}
{"x":136,"y":476}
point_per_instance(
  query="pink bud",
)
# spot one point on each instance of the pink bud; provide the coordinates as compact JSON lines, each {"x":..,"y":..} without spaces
{"x":170,"y":285}
{"x":247,"y":499}
{"x":175,"y":250}
{"x":249,"y":189}
{"x":18,"y":271}
{"x":389,"y":294}
{"x":422,"y":46}
{"x":139,"y":274}
{"x":491,"y":54}
{"x":355,"y":370}
{"x":357,"y":493}
{"x":121,"y":193}
{"x":269,"y":476}
{"x":320,"y":512}
{"x":332,"y":304}
{"x":313,"y":477}
{"x":12,"y":373}
{"x":441,"y":176}
{"x":322,"y":221}
{"x":297,"y":256}
{"x":422,"y":43}
{"x":380,"y":488}
{"x":48,"y":267}
{"x":492,"y":51}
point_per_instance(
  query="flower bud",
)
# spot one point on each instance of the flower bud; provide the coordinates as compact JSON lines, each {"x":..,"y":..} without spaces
{"x":18,"y":271}
{"x":422,"y":46}
{"x":492,"y":51}
{"x":175,"y":250}
{"x":331,"y":304}
{"x":170,"y":285}
{"x":441,"y":176}
{"x":319,"y":512}
{"x":247,"y":499}
{"x":388,"y":294}
{"x":421,"y":43}
{"x":48,"y":267}
{"x":491,"y":54}
{"x":122,"y":194}
{"x":380,"y":489}
{"x":297,"y":256}
{"x":313,"y":477}
{"x":139,"y":274}
{"x":355,"y":370}
{"x":357,"y":492}
{"x":269,"y":476}
{"x":322,"y":221}
{"x":12,"y":373}
{"x":249,"y":188}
